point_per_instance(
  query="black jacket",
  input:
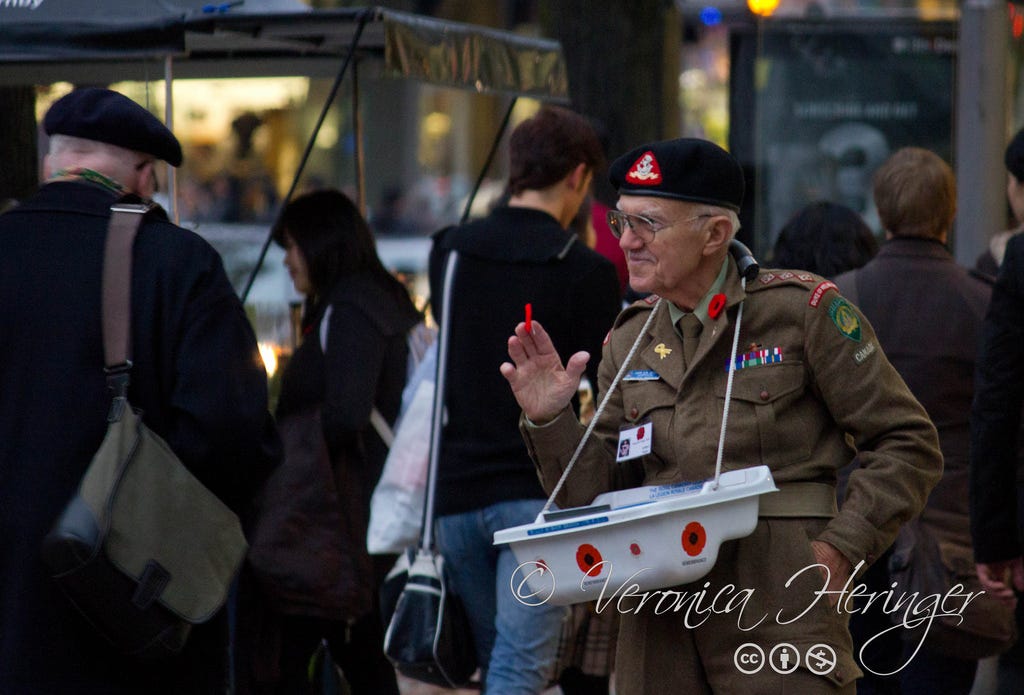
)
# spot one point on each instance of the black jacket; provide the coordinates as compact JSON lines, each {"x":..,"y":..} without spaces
{"x":197,"y":377}
{"x":997,"y":481}
{"x":512,"y":257}
{"x":364,"y":367}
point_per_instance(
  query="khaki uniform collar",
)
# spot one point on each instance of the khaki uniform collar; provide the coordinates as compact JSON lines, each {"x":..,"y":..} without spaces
{"x":663,"y":332}
{"x":701,"y":310}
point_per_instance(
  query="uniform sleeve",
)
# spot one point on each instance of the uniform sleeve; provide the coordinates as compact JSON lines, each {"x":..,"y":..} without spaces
{"x":995,"y":415}
{"x":898,"y":458}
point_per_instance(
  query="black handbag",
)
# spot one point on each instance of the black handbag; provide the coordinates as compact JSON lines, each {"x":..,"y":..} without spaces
{"x":429,"y":638}
{"x":143,"y":549}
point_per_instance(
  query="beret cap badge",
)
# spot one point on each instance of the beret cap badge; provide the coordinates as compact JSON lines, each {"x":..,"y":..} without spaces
{"x":645,"y":171}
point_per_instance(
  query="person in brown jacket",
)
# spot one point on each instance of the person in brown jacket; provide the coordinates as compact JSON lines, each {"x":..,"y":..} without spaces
{"x":827,"y":382}
{"x":915,"y":275}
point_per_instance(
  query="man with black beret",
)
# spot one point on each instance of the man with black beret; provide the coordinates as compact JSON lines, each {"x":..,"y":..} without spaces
{"x":808,"y":378}
{"x":196,"y":376}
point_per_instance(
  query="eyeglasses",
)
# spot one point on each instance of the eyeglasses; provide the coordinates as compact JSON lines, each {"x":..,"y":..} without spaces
{"x":644,"y":227}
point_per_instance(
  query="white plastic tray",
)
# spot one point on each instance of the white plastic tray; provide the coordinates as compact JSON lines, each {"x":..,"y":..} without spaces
{"x":654,"y":537}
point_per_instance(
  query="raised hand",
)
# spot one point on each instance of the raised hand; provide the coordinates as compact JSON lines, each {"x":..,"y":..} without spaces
{"x":541,"y":385}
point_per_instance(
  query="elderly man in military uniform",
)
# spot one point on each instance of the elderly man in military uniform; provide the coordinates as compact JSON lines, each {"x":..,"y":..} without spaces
{"x":810,"y":381}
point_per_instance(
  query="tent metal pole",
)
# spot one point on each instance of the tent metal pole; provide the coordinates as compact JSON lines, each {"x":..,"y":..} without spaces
{"x":357,"y":119}
{"x":172,"y":179}
{"x":489,"y":161}
{"x":363,"y":18}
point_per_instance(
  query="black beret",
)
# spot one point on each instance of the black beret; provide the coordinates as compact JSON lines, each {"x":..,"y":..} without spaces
{"x":1014,"y":157}
{"x":107,"y":116}
{"x":686,"y":169}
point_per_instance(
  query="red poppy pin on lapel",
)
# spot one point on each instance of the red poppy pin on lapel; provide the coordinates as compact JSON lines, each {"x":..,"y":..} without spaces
{"x":716,"y":305}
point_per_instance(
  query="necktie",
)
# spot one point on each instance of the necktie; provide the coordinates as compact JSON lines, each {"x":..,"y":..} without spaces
{"x":690,"y":327}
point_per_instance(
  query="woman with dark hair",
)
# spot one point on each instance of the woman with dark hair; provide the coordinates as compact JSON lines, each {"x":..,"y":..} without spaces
{"x":825,"y":238}
{"x":352,"y":360}
{"x":353,"y":354}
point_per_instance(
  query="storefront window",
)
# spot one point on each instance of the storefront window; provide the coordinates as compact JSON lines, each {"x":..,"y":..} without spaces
{"x":243,"y":140}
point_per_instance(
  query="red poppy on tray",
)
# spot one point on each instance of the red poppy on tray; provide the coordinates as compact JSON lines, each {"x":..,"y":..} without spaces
{"x":694,"y":538}
{"x":588,"y":557}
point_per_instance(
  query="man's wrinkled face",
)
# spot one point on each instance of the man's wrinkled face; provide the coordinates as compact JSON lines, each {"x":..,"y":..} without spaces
{"x":667,"y":247}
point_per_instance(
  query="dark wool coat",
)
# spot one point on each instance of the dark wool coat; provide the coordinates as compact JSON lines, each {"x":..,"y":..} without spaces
{"x":934,"y":352}
{"x":997,"y":474}
{"x":309,"y":557}
{"x":197,"y":377}
{"x":511,"y":257}
{"x":364,"y":367}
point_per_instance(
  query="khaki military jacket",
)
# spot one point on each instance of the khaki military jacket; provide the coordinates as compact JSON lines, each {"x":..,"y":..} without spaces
{"x":813,"y":381}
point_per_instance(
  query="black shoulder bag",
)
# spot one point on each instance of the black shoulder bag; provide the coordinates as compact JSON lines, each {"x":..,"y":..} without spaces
{"x":428,"y":636}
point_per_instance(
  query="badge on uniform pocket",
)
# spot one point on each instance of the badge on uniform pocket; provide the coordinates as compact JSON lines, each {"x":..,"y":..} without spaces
{"x":635,"y":441}
{"x":641,"y":375}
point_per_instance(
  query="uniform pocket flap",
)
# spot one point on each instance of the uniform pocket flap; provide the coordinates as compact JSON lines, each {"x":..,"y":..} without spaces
{"x":765,"y":384}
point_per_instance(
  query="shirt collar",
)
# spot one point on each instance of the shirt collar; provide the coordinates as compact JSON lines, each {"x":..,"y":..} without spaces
{"x":701,"y":310}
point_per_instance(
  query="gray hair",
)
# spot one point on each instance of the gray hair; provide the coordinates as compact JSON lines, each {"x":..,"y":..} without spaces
{"x":117,"y":163}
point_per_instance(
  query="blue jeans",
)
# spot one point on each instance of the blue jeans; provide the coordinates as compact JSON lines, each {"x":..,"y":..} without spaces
{"x":516,"y":644}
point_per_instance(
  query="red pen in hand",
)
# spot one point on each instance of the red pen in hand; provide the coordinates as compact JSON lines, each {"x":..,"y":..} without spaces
{"x":529,"y":317}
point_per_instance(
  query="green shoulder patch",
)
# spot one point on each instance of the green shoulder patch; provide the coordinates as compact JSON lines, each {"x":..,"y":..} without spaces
{"x":845,"y":318}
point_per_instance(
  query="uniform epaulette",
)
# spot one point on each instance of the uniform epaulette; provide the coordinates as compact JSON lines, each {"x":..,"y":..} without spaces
{"x":770,"y":278}
{"x":643,"y":304}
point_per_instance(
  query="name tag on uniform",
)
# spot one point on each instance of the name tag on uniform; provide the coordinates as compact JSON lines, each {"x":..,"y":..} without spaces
{"x":641,"y":375}
{"x":635,"y":441}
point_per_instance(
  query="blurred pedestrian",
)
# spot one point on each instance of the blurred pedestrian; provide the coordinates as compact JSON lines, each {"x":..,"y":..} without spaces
{"x":825,"y":238}
{"x":521,"y":253}
{"x":997,"y":464}
{"x":1013,"y":158}
{"x":352,"y":363}
{"x":914,"y":275}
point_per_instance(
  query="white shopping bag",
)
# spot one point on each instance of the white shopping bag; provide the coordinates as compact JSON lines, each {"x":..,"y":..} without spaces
{"x":396,"y":508}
